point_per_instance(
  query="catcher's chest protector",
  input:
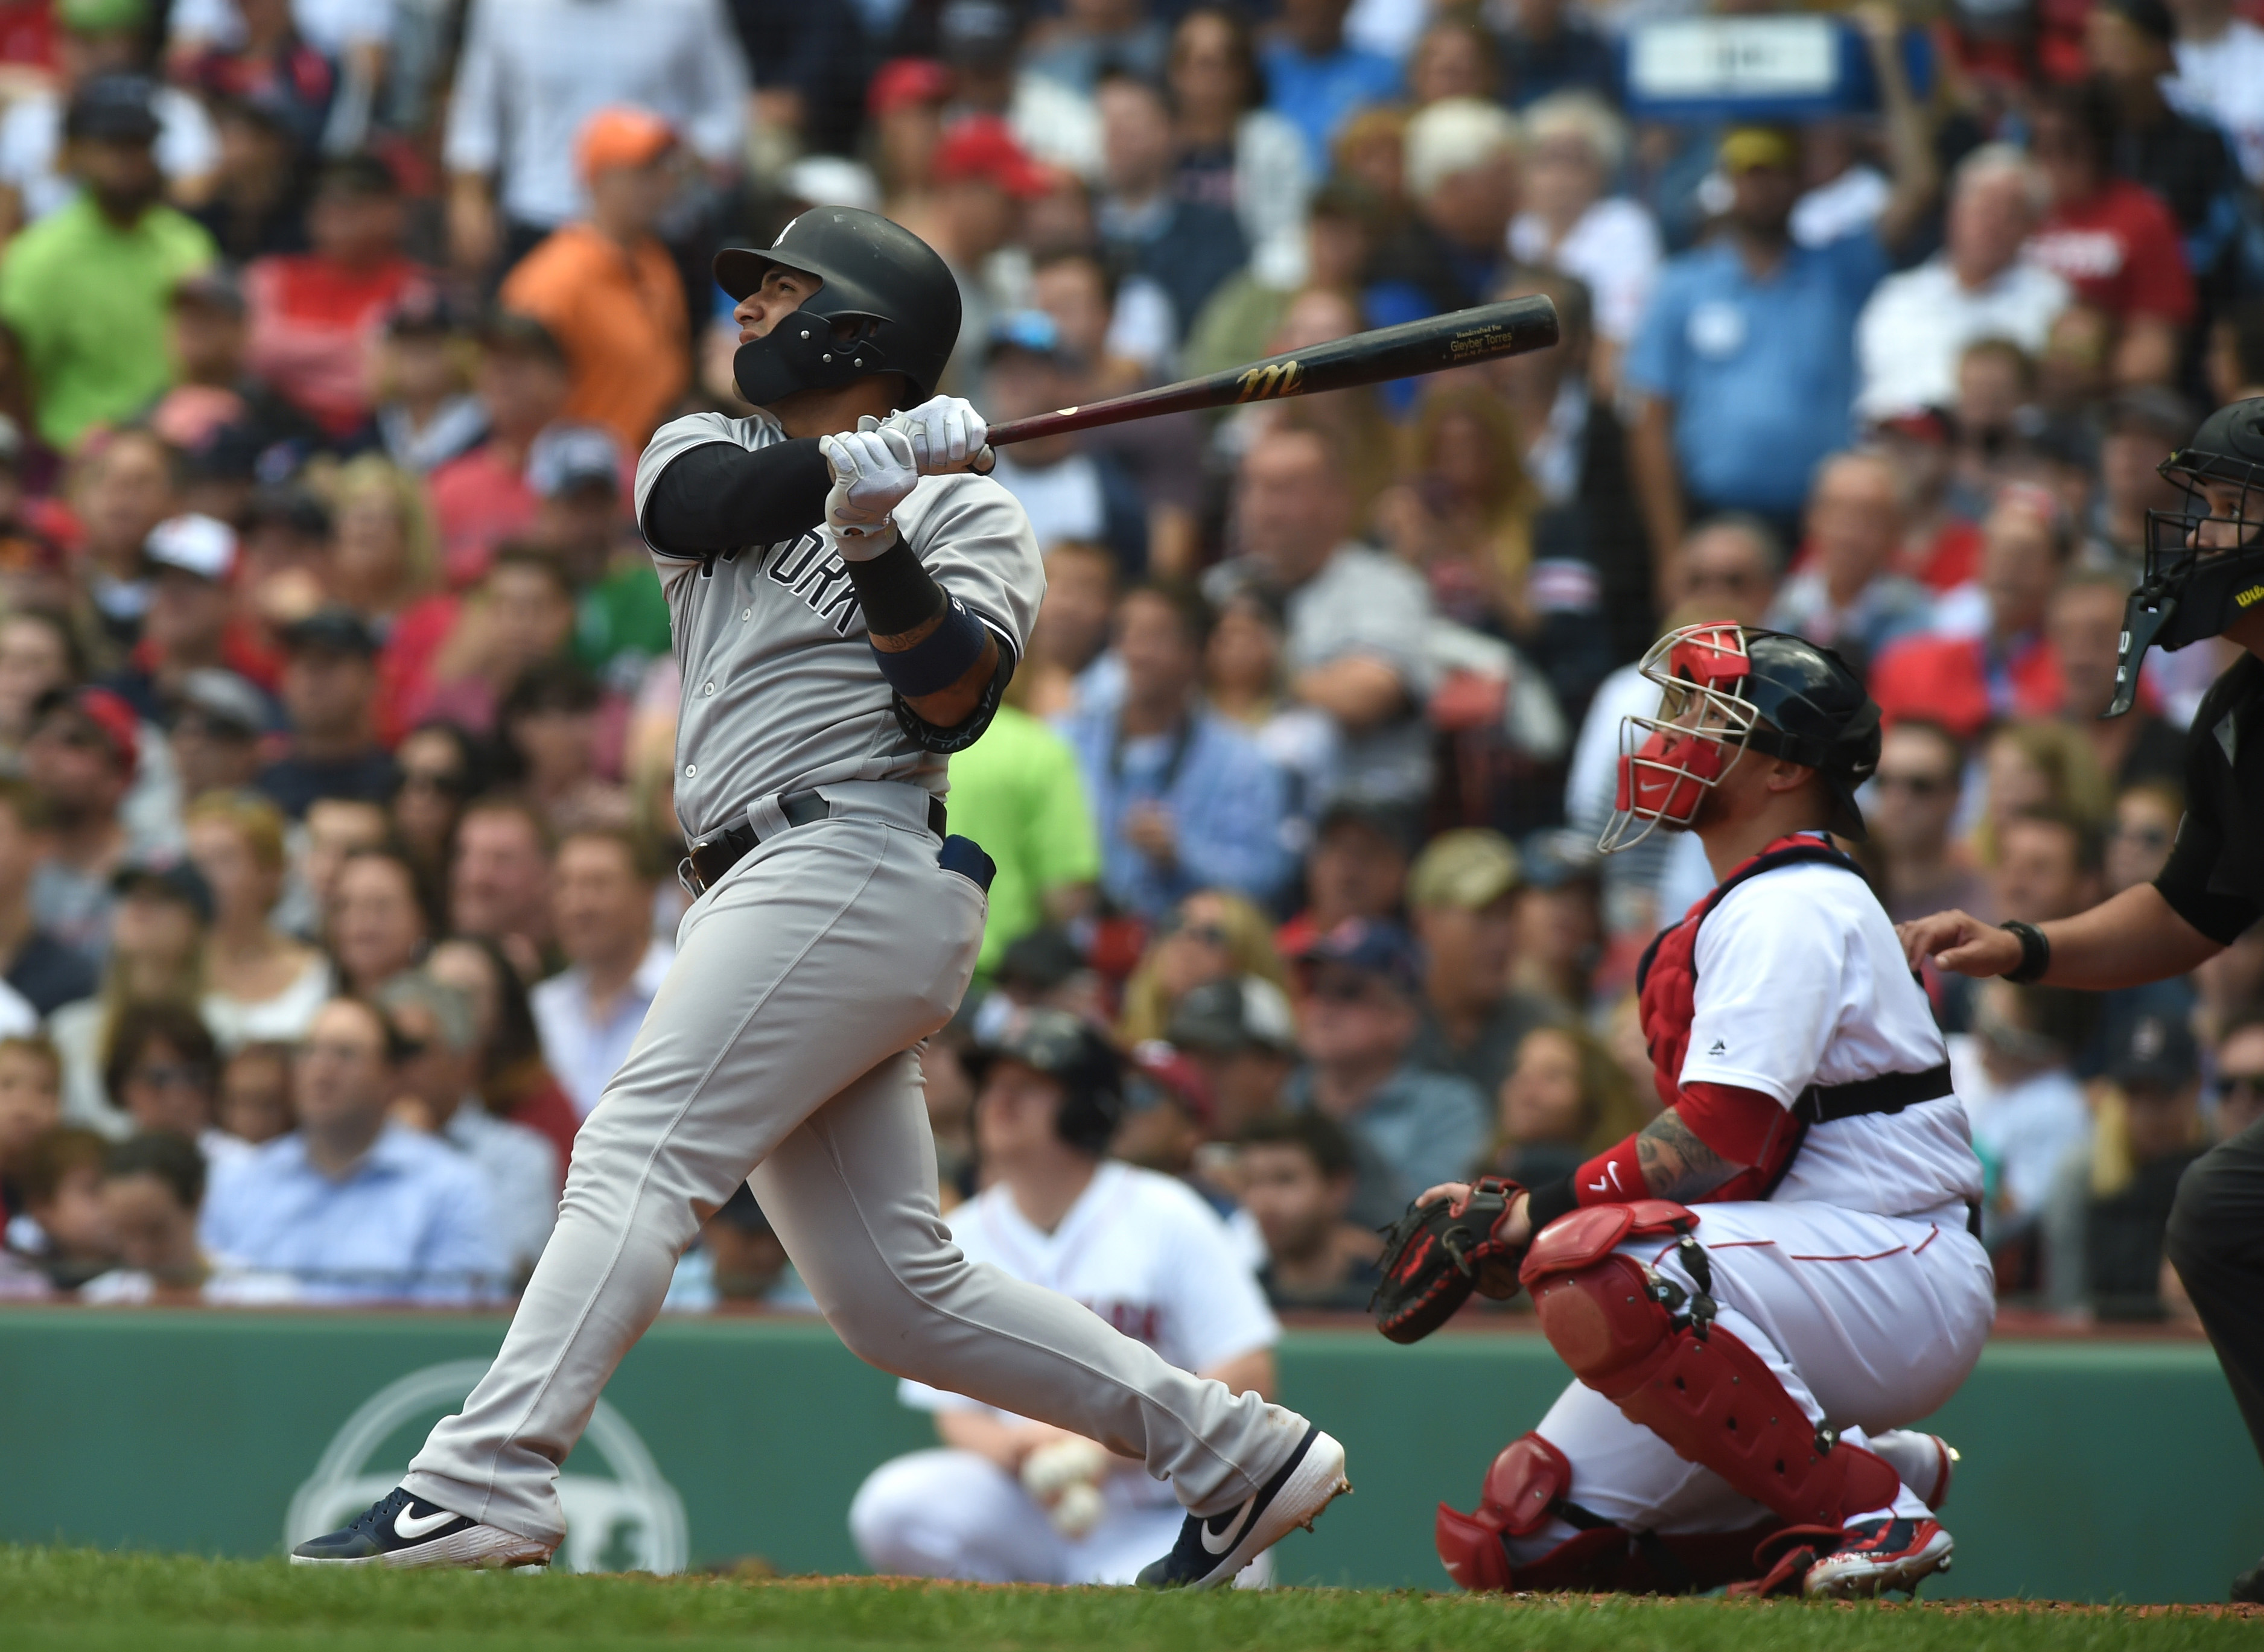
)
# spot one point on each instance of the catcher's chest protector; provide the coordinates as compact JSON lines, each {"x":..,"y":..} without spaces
{"x":1666,"y":980}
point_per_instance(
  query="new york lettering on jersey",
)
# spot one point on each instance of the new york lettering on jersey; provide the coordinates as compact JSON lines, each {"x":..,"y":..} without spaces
{"x":781,"y":690}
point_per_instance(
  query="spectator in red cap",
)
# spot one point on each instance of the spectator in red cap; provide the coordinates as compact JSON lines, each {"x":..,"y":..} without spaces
{"x":316,"y":316}
{"x":982,"y":177}
{"x":1988,"y":657}
{"x":905,"y":101}
{"x":83,"y":756}
{"x":604,"y":283}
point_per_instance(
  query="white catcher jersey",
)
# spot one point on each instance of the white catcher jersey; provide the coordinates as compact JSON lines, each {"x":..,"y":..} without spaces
{"x":1139,"y":1249}
{"x":780,"y":689}
{"x":1801,"y":982}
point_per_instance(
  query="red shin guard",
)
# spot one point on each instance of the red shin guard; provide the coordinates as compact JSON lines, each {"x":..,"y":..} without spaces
{"x":1525,"y":1487}
{"x":1710,"y":1397}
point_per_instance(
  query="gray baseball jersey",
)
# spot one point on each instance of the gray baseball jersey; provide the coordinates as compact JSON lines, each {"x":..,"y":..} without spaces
{"x":780,"y":689}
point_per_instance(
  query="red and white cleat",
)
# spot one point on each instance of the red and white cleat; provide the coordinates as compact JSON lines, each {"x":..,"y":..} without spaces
{"x":1880,"y":1554}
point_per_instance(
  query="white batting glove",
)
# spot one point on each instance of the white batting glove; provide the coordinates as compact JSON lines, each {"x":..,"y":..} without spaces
{"x":873,"y":474}
{"x":948,"y":435}
{"x":1064,"y":1479}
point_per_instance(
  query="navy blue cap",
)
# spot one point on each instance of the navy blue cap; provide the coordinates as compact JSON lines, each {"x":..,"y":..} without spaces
{"x":1372,"y":948}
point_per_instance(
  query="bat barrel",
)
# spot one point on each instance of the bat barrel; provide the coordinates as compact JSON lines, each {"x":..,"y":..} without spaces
{"x":1433,"y":344}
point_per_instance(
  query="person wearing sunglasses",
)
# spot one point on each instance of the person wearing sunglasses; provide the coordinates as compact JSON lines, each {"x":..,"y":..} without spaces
{"x":2203,"y":577}
{"x":1911,"y":808}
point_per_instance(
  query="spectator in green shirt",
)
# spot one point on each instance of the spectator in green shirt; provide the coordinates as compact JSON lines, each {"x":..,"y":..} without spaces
{"x":1016,"y":792}
{"x":85,"y":289}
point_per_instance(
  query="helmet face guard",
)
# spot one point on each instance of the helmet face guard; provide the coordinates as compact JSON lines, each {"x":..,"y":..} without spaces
{"x":2205,"y":562}
{"x":1668,"y":763}
{"x":2205,"y":565}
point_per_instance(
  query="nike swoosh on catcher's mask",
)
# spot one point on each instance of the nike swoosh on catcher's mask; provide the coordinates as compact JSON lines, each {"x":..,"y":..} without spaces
{"x":408,"y":1527}
{"x":1226,"y":1540}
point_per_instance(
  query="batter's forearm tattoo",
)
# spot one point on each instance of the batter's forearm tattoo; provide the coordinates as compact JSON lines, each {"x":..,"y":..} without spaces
{"x":1675,"y":1163}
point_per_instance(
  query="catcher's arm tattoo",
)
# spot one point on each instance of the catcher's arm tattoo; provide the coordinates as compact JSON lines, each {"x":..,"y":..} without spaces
{"x":1675,"y":1163}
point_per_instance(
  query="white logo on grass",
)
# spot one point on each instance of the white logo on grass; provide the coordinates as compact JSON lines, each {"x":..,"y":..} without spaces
{"x":626,"y":1519}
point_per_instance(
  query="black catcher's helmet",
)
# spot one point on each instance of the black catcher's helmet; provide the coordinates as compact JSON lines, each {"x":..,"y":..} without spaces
{"x":2205,"y":565}
{"x":1727,"y":689}
{"x":887,"y":304}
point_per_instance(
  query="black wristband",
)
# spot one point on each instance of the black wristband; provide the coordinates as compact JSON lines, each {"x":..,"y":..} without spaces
{"x":2036,"y":953}
{"x":1545,"y":1203}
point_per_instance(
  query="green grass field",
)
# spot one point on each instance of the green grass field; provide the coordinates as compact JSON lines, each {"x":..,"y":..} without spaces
{"x":80,"y":1600}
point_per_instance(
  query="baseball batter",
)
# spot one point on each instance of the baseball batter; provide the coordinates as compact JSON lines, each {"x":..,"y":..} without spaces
{"x":1746,"y":1366}
{"x":847,"y":601}
{"x":1006,"y":1500}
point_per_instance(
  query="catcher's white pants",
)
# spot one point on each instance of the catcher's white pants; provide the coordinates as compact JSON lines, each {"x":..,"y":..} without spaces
{"x":1870,"y":1321}
{"x":947,"y":1513}
{"x":781,"y":1043}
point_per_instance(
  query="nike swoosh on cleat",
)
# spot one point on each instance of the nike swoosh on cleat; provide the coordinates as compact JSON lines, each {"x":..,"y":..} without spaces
{"x":408,"y":1527}
{"x":1226,"y":1540}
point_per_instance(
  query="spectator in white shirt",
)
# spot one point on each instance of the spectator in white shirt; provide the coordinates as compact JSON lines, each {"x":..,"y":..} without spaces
{"x":532,"y":71}
{"x":589,"y":1016}
{"x":2221,"y":76}
{"x":1911,"y":334}
{"x":1575,"y":147}
{"x":438,"y":1042}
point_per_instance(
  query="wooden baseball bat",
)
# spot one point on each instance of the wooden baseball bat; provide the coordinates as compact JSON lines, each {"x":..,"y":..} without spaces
{"x":1510,"y":328}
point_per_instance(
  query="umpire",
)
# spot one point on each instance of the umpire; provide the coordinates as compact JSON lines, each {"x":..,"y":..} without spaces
{"x":2204,"y":578}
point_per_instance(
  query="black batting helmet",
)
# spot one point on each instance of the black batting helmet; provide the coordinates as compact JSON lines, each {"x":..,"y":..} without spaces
{"x":887,"y":303}
{"x":2204,"y":568}
{"x":1075,"y":1056}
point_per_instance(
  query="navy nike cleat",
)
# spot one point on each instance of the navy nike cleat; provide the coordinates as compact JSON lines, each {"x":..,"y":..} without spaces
{"x":399,"y":1530}
{"x":1211,"y":1551}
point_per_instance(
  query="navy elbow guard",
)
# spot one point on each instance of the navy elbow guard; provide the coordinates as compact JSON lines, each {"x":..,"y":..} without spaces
{"x":939,"y":659}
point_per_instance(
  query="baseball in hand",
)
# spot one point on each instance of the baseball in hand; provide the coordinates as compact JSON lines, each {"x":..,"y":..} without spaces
{"x":1078,"y":1509}
{"x":1064,"y":1478}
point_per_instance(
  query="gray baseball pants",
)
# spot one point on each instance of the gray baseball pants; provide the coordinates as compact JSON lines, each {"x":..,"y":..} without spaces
{"x":779,"y":1051}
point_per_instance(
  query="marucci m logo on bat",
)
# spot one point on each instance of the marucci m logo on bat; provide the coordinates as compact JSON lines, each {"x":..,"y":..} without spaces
{"x":1276,"y":379}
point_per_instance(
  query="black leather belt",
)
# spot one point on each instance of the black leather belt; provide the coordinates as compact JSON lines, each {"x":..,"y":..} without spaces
{"x":706,"y":861}
{"x":1887,"y":1093}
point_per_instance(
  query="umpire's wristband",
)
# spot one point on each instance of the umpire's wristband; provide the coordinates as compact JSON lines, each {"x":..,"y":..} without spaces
{"x":2036,"y":953}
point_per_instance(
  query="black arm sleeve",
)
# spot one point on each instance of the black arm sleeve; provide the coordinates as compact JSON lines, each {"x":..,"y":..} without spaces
{"x":719,"y":496}
{"x":897,"y":593}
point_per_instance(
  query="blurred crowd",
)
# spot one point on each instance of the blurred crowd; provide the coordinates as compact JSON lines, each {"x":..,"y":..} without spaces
{"x":337,"y":702}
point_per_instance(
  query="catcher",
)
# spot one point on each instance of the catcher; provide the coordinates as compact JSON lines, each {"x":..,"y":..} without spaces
{"x":1760,"y":1287}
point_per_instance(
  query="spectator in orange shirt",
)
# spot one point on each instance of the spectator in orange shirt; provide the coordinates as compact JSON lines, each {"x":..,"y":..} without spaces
{"x":607,"y":285}
{"x":481,"y":498}
{"x":316,"y":316}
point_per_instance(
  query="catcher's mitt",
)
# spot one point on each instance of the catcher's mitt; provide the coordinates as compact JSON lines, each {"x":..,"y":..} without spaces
{"x":1435,"y":1255}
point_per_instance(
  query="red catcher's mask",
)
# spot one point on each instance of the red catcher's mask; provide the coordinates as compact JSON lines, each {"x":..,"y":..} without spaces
{"x":1668,"y":763}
